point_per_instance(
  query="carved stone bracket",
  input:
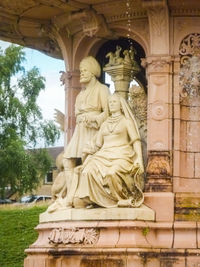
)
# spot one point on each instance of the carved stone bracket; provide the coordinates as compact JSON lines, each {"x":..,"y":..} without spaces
{"x":73,"y":236}
{"x":158,"y":16}
{"x":93,"y":24}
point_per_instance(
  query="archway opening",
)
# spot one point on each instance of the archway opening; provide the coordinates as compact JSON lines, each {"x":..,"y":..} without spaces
{"x":125,"y":44}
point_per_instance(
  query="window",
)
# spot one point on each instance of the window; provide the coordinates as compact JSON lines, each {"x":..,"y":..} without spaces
{"x":49,"y":178}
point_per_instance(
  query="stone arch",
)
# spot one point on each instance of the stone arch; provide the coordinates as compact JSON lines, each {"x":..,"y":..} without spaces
{"x":90,"y":46}
{"x":122,"y":31}
{"x":86,"y":46}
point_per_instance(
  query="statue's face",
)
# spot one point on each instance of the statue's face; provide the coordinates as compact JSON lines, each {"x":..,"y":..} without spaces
{"x":114,"y":104}
{"x":85,"y":74}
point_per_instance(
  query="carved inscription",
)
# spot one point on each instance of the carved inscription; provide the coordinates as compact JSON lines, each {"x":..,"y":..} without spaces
{"x":73,"y":236}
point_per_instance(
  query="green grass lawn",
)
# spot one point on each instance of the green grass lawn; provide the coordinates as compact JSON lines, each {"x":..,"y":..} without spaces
{"x":17,"y":233}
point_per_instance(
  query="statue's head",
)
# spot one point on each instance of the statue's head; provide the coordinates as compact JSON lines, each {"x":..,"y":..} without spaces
{"x":114,"y":103}
{"x":89,"y":67}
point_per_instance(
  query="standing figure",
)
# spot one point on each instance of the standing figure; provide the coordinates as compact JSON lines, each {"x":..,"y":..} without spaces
{"x":90,"y":111}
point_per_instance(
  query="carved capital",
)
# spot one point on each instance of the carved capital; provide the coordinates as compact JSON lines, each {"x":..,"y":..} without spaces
{"x":159,"y":163}
{"x":157,"y":64}
{"x":69,"y":77}
{"x":73,"y":236}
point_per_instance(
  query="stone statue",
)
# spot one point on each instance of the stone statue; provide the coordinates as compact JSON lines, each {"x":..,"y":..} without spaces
{"x":111,"y":175}
{"x":90,"y":111}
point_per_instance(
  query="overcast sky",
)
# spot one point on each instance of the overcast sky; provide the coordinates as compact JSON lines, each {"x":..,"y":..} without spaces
{"x":53,"y":96}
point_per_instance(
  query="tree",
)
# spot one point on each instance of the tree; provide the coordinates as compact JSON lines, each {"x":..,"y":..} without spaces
{"x":22,"y":125}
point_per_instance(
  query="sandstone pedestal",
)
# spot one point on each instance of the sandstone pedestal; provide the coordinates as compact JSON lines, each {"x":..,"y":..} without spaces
{"x":114,"y":243}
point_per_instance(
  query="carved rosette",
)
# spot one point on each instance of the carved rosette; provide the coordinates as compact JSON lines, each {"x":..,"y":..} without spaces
{"x":62,"y":236}
{"x":158,"y":110}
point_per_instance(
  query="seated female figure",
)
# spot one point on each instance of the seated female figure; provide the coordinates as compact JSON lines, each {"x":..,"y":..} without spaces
{"x":112,"y":176}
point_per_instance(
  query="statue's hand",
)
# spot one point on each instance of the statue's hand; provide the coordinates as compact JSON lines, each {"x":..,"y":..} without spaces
{"x":90,"y":121}
{"x":140,"y":165}
{"x":80,"y":118}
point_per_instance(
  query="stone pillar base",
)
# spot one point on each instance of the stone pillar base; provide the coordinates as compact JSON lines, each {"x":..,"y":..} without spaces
{"x":116,"y":258}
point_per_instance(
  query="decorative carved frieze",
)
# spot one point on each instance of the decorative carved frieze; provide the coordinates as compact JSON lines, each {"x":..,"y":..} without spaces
{"x":73,"y":236}
{"x":125,"y":16}
{"x":185,"y":12}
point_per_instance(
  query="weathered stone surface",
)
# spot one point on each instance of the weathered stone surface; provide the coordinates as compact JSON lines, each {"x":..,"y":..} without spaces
{"x":142,"y":213}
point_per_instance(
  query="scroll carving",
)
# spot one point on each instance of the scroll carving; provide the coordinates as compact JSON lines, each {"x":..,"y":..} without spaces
{"x":189,"y":46}
{"x":73,"y":236}
{"x":190,"y":66}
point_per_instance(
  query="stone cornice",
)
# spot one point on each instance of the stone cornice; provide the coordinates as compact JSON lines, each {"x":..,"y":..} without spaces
{"x":125,"y":16}
{"x":185,"y":12}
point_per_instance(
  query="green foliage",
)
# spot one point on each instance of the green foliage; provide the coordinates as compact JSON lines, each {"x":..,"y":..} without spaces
{"x":145,"y":231}
{"x":21,"y":124}
{"x":17,"y":233}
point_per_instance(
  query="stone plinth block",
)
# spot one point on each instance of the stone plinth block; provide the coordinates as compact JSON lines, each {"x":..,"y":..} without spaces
{"x":162,"y":204}
{"x":141,"y":213}
{"x":185,"y":235}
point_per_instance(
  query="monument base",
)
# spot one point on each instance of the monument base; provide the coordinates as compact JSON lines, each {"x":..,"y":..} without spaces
{"x":117,"y":243}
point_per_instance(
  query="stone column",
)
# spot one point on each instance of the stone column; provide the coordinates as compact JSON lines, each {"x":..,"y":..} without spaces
{"x":159,"y":122}
{"x":72,"y":88}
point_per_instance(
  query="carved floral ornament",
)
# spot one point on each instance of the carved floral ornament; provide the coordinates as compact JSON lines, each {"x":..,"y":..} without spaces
{"x":73,"y":236}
